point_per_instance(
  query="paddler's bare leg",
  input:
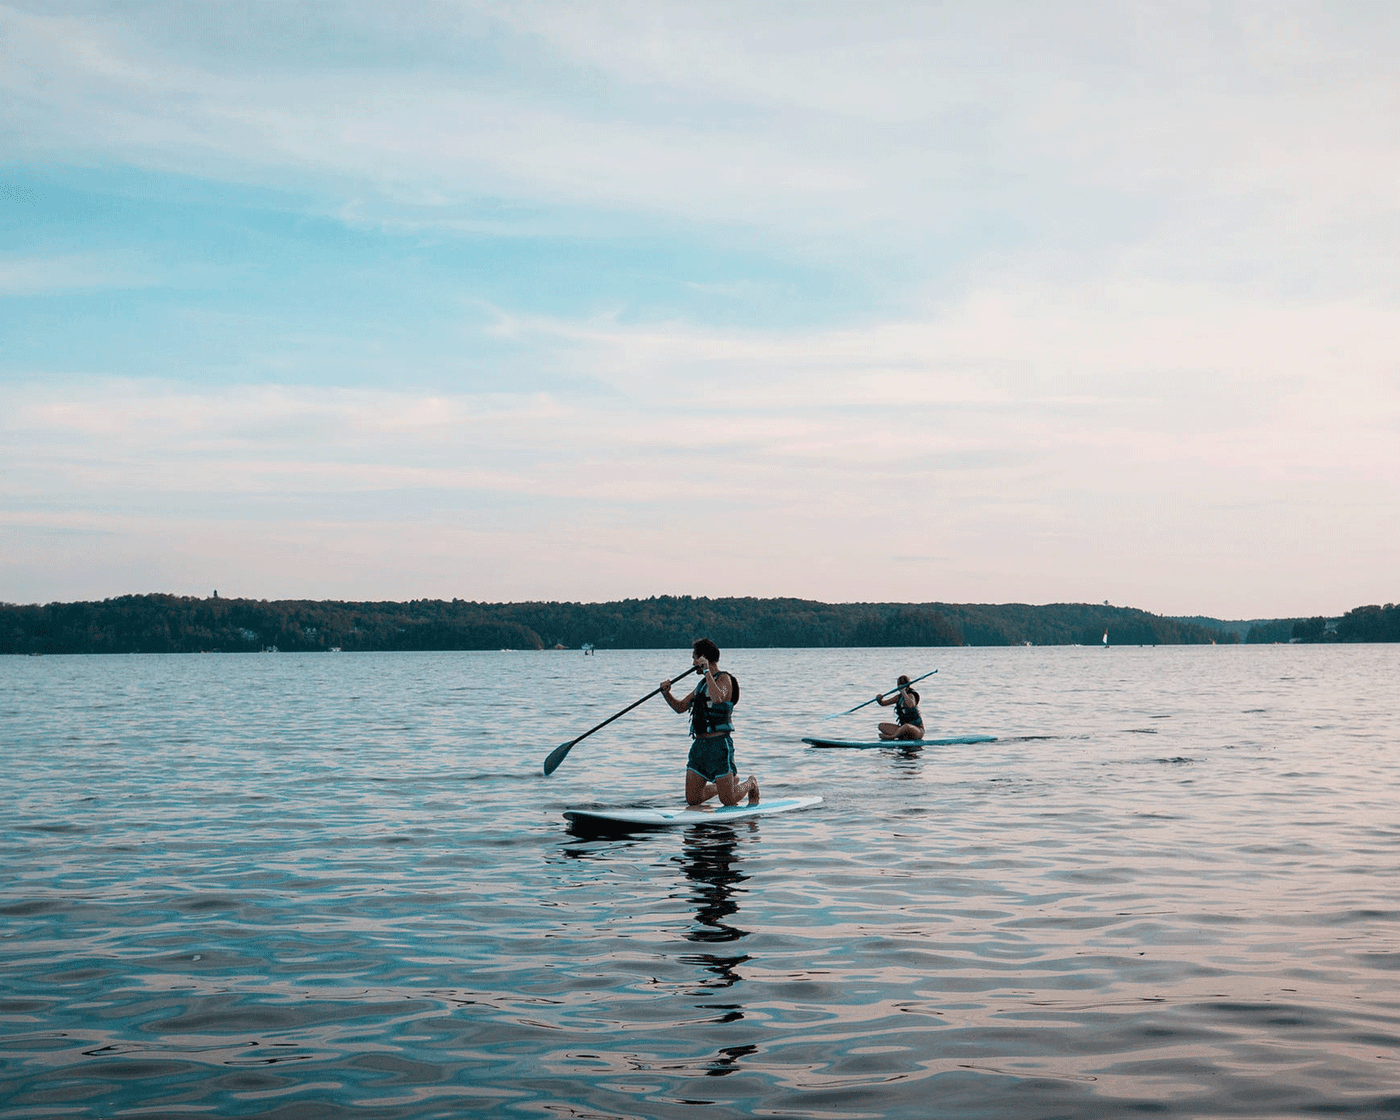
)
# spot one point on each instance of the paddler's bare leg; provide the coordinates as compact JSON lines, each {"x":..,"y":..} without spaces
{"x":697,"y":790}
{"x":731,"y":790}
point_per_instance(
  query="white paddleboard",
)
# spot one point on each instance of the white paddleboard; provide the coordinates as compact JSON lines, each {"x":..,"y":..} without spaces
{"x":906,"y":744}
{"x":621,"y":819}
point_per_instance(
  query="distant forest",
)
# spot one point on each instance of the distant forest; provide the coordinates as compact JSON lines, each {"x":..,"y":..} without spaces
{"x":177,"y":624}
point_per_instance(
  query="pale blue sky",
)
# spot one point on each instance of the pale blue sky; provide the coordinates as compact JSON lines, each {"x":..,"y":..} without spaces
{"x":968,"y":302}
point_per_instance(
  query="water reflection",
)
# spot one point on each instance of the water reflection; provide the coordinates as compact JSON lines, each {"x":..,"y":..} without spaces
{"x":711,"y":862}
{"x":906,"y":760}
{"x":728,"y":1061}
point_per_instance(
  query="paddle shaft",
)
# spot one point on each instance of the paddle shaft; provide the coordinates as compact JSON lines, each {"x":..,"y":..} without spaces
{"x":898,"y":688}
{"x":556,"y":756}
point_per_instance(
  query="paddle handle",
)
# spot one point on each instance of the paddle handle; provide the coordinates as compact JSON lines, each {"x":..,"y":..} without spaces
{"x":897,"y":688}
{"x":556,"y":756}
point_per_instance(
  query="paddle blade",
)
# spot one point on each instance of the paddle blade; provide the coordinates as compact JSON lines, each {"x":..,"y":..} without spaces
{"x":556,"y":756}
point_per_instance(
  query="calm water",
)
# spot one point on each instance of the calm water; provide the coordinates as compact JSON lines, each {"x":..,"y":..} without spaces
{"x":339,"y":885}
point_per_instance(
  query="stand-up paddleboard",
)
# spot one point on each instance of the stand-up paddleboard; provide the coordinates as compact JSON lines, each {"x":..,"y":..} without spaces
{"x":626,"y":820}
{"x":907,"y":744}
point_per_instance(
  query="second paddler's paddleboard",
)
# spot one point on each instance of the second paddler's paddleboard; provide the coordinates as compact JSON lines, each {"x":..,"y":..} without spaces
{"x":907,"y":744}
{"x":623,"y":819}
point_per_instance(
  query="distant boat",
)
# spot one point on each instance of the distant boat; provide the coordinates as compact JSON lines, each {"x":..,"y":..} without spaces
{"x":1105,"y":639}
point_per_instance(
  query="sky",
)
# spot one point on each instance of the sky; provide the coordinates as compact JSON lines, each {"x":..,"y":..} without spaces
{"x":958,"y":302}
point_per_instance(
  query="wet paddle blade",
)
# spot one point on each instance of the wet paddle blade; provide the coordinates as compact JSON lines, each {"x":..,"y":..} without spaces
{"x":556,"y":756}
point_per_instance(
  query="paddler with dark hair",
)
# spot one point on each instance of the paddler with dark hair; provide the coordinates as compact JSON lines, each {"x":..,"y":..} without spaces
{"x":910,"y":723}
{"x":710,"y":771}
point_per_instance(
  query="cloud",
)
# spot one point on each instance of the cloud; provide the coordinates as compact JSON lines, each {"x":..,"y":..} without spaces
{"x":49,"y":274}
{"x":1140,"y":136}
{"x":1067,"y":305}
{"x":1000,"y":429}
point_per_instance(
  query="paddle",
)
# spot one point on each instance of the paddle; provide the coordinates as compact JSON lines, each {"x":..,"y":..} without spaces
{"x":556,"y":756}
{"x":858,"y":707}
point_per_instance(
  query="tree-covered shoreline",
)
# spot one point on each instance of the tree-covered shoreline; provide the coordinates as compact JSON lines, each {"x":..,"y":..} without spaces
{"x":160,"y":623}
{"x":181,"y":624}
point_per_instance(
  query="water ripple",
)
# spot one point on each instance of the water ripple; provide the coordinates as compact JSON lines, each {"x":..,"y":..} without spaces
{"x":299,"y":886}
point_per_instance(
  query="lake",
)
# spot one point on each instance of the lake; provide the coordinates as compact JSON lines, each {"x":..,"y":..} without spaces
{"x":340,"y":885}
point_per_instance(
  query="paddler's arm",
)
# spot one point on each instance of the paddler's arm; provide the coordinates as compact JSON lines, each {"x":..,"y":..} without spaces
{"x":676,"y":705}
{"x":717,"y":685}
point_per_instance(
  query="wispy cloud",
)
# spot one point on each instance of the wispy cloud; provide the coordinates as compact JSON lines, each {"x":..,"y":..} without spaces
{"x":1128,"y":130}
{"x":1090,"y":302}
{"x":49,"y":274}
{"x":996,"y":423}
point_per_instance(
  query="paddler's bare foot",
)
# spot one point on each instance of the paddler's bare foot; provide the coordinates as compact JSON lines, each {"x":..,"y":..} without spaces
{"x":753,"y":790}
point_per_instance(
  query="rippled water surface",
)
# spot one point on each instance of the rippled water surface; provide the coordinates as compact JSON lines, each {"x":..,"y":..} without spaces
{"x":339,"y":885}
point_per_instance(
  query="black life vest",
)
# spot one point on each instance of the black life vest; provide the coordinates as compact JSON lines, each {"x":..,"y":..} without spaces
{"x":908,"y":713}
{"x":713,"y":717}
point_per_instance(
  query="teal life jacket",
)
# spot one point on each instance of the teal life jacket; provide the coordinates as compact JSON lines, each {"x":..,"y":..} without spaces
{"x":713,"y":717}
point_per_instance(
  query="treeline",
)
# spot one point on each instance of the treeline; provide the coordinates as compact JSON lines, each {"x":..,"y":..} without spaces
{"x":179,"y":624}
{"x":1361,"y":624}
{"x":1062,"y":624}
{"x":1274,"y":630}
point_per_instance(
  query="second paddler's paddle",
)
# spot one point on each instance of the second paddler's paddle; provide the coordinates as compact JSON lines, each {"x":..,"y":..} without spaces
{"x":556,"y":756}
{"x":872,"y":700}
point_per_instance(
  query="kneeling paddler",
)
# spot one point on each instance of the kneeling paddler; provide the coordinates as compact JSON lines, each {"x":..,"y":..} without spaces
{"x":710,"y":770}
